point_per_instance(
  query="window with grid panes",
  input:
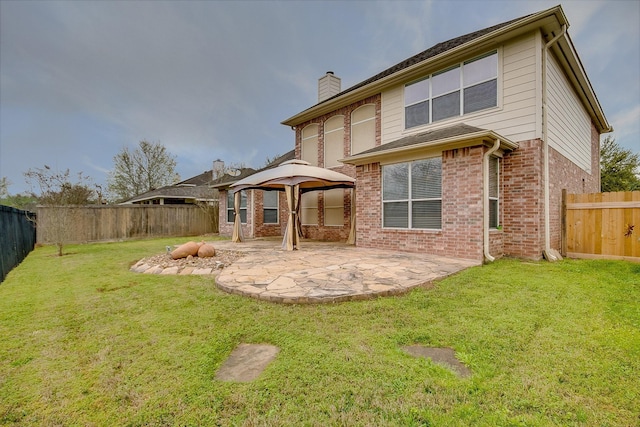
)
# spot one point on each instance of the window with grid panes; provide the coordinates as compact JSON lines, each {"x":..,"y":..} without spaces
{"x":461,"y":89}
{"x":412,"y":194}
{"x":270,"y":207}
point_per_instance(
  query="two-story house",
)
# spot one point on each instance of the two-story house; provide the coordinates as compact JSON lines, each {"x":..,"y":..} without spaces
{"x":461,"y":150}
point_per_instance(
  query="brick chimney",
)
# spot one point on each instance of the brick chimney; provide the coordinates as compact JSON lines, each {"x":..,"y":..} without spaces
{"x":328,"y":85}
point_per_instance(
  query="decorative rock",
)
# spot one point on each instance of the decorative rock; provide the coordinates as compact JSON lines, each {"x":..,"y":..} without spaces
{"x":186,"y":249}
{"x":206,"y":250}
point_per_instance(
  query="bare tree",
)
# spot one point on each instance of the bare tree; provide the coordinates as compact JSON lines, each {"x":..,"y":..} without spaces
{"x":146,"y":168}
{"x":57,"y":191}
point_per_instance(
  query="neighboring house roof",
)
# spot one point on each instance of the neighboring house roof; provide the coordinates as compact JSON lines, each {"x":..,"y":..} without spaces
{"x":550,"y":21}
{"x":202,"y":179}
{"x":202,"y":192}
{"x":195,"y":188}
{"x":227,"y":180}
{"x":455,"y":136}
{"x":291,"y":155}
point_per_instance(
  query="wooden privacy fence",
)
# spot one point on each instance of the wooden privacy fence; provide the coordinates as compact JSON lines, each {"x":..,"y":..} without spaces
{"x":17,"y":238}
{"x":81,"y":224}
{"x":601,"y":225}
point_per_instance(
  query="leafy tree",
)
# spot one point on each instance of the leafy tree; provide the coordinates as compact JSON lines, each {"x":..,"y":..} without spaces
{"x":26,"y":202}
{"x":57,"y":191}
{"x":619,"y":167}
{"x":146,"y":168}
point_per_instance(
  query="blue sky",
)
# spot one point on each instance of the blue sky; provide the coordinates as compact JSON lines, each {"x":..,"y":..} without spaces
{"x":80,"y":80}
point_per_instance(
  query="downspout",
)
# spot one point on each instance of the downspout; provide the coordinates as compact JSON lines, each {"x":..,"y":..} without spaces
{"x":253,"y":214}
{"x":545,"y":143}
{"x":485,"y":201}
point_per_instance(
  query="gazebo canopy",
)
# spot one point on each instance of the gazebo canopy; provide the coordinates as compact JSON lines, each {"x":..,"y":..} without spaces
{"x":293,"y":177}
{"x":295,"y":172}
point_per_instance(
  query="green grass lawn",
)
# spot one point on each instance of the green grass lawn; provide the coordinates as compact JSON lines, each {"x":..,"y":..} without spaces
{"x":85,"y":342}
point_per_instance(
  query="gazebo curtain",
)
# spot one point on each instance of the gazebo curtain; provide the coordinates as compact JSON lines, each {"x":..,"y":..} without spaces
{"x":237,"y":221}
{"x":351,"y":240}
{"x":291,"y":234}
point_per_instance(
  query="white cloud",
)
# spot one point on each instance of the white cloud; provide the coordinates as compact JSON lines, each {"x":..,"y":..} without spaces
{"x":627,"y":123}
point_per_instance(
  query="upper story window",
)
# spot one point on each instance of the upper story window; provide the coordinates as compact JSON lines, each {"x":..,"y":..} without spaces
{"x":363,"y":128}
{"x":231,"y":210}
{"x":270,"y":207}
{"x":462,"y":89}
{"x":412,"y":194}
{"x":333,"y":141}
{"x":309,"y":146}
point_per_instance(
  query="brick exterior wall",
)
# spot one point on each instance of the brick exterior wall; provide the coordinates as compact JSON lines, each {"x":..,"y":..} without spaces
{"x":266,"y":230}
{"x":523,"y":194}
{"x":522,"y":201}
{"x":462,"y":208}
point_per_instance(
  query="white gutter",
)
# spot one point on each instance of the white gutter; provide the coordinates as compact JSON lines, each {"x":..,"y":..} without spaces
{"x":545,"y":142}
{"x":485,"y":201}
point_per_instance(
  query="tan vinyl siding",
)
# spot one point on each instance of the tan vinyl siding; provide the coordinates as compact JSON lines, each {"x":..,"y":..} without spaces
{"x":569,"y":126}
{"x":518,"y":87}
{"x":392,"y":114}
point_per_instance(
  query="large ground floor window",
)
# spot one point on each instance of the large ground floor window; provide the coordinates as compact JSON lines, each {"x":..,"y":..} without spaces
{"x":412,"y":194}
{"x":270,"y":207}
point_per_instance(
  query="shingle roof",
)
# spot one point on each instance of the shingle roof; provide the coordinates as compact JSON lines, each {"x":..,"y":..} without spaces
{"x":204,"y":178}
{"x":428,"y":136}
{"x":452,"y":136}
{"x":226,"y":179}
{"x":275,"y":162}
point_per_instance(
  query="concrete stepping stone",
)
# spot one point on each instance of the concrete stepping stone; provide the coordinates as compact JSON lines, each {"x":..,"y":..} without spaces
{"x":246,"y":362}
{"x":443,"y":356}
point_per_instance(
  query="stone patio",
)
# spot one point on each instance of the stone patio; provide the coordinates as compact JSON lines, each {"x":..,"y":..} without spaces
{"x":322,"y":272}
